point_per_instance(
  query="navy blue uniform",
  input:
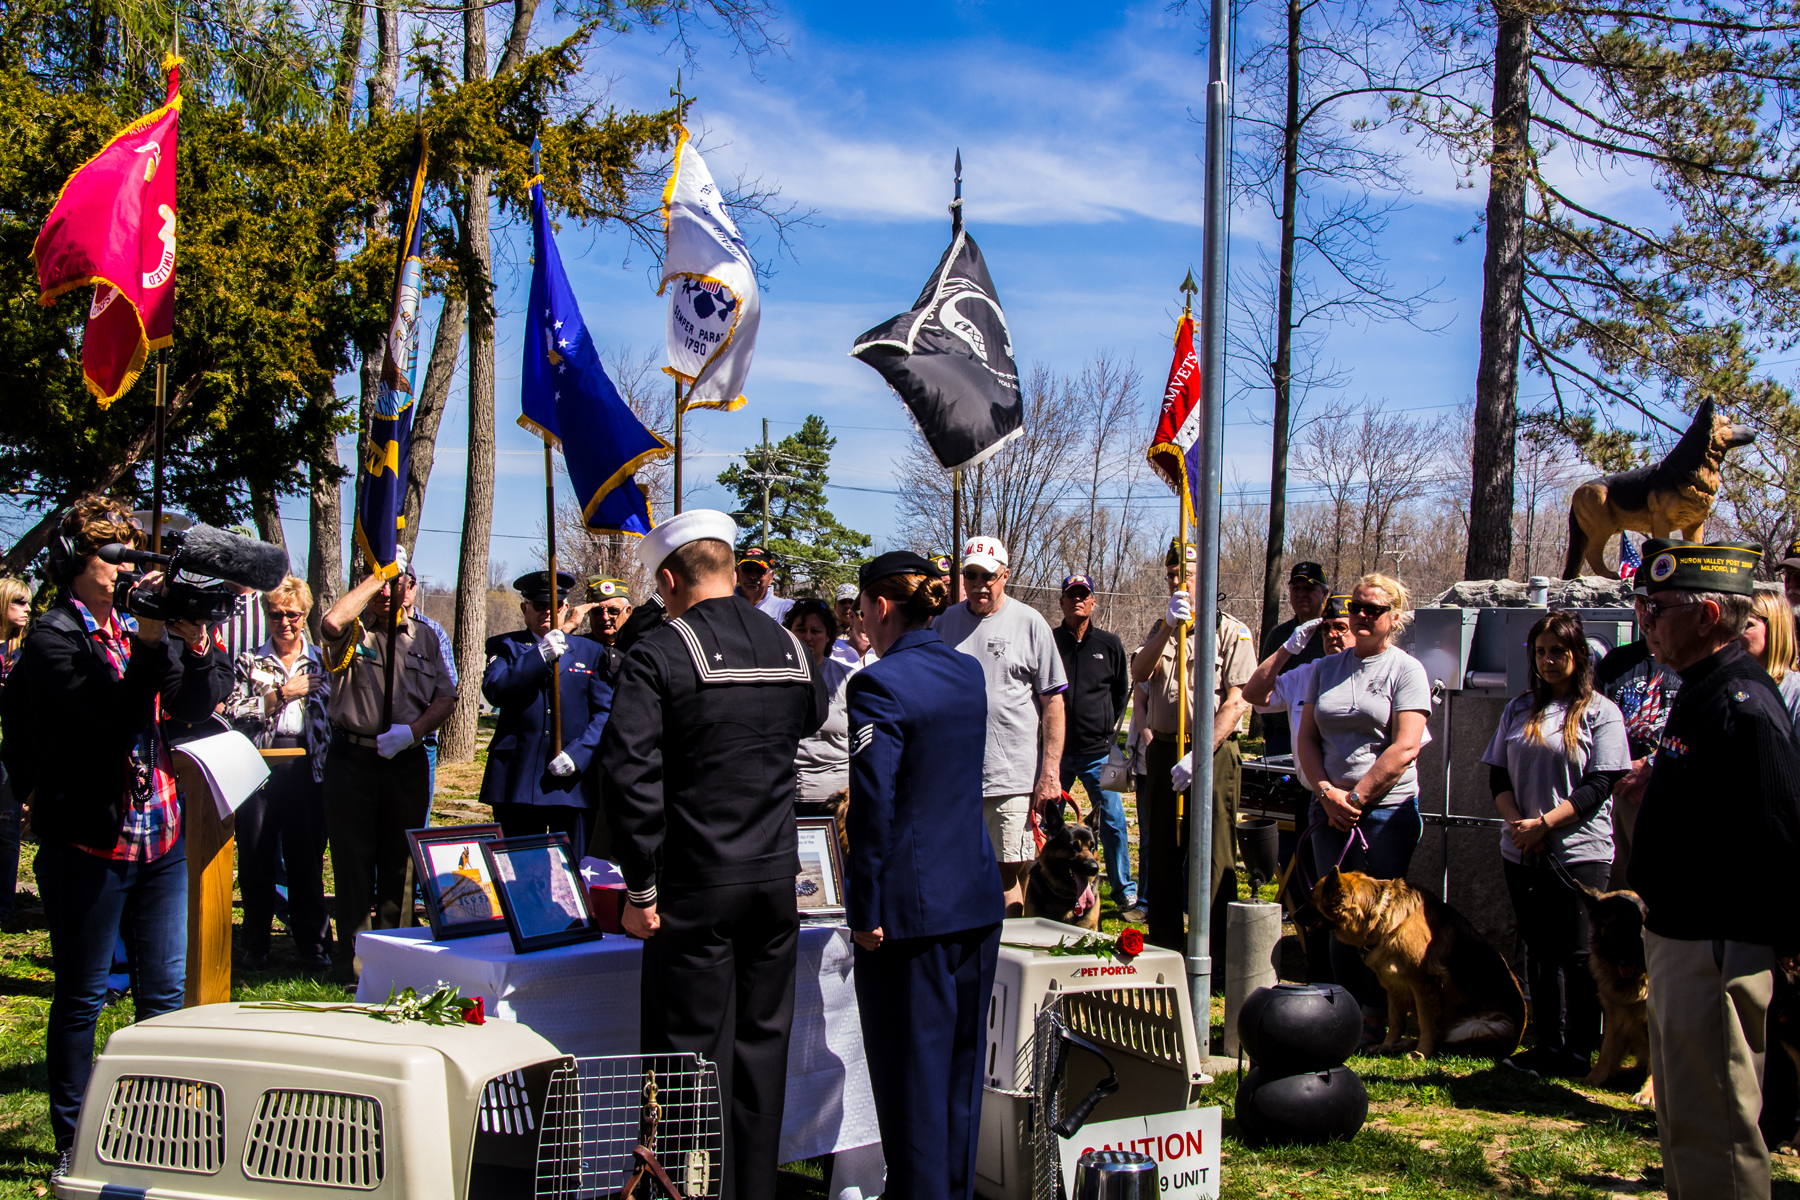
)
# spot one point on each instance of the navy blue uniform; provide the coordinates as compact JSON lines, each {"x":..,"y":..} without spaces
{"x":922,"y":871}
{"x":525,"y":797}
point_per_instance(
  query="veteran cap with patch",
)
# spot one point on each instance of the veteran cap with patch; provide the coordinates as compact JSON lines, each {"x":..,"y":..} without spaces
{"x":602,"y":588}
{"x":1337,"y":608}
{"x":1793,"y":555}
{"x":1174,"y":554}
{"x":1691,"y":567}
{"x":941,"y":561}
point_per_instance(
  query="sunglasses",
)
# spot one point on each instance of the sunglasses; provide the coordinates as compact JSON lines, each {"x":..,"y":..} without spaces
{"x":1079,"y":594}
{"x":976,"y":575}
{"x":1362,"y":608}
{"x":1654,"y":609}
{"x":753,"y":568}
{"x":283,"y":618}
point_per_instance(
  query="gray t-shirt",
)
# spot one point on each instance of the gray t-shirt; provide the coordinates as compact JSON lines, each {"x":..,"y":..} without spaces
{"x":1543,"y":776}
{"x":1356,"y":700}
{"x":1790,"y":696}
{"x":1017,"y":653}
{"x":822,"y":761}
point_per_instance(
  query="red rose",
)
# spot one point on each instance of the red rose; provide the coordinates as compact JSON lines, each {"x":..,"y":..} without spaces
{"x":474,"y":1010}
{"x":1131,"y":941}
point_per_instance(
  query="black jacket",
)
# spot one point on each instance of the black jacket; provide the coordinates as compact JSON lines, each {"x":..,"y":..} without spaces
{"x":697,"y":760}
{"x":1099,"y":681}
{"x":83,"y":723}
{"x":1715,"y":845}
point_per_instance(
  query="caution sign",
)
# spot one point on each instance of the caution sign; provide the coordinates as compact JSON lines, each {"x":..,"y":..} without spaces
{"x":1185,"y":1146}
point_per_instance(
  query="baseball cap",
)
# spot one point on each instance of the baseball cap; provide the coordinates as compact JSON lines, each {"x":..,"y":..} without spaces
{"x":1307,"y":572}
{"x":755,"y":556}
{"x":848,"y":591}
{"x":1793,"y":555}
{"x":1077,"y":581}
{"x":989,"y":554}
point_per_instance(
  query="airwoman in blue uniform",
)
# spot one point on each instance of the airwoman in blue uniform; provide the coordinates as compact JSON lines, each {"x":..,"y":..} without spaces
{"x":532,"y":785}
{"x":925,"y":901}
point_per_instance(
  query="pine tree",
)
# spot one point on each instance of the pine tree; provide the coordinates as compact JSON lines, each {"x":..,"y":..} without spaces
{"x":813,"y":551}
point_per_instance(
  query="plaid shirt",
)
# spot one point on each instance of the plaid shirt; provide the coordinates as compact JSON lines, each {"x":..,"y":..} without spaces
{"x":148,"y":830}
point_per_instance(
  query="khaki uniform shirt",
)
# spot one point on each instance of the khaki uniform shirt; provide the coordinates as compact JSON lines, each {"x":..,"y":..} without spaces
{"x":359,"y":671}
{"x":1233,"y":665}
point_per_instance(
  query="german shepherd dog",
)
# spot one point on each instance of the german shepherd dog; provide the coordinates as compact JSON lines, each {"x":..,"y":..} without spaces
{"x":1675,"y":494}
{"x":1616,"y":961}
{"x":1432,"y":963}
{"x":1060,"y":886}
{"x":1784,"y":1031}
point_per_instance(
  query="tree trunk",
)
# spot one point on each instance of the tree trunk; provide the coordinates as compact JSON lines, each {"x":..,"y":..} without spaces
{"x":265,"y":509}
{"x":518,"y":38}
{"x":325,"y":545}
{"x":470,"y":638}
{"x":1502,"y":297}
{"x":385,"y":79}
{"x":428,"y":411}
{"x":96,"y":44}
{"x":343,"y":91}
{"x":1281,"y":371}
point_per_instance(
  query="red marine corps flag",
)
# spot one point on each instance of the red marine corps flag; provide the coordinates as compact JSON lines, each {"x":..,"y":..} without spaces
{"x":1175,"y":447}
{"x":113,"y":228}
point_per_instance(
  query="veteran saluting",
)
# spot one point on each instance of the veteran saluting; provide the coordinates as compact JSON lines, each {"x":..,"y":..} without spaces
{"x":697,"y":764}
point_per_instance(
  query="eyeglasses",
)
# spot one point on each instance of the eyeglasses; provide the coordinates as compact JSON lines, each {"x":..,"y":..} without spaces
{"x":1656,"y":608}
{"x":1362,"y":608}
{"x":284,"y":617}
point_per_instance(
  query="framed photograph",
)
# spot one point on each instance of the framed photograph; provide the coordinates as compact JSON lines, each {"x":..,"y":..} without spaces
{"x":819,"y":887}
{"x":456,"y":880}
{"x":541,"y":892}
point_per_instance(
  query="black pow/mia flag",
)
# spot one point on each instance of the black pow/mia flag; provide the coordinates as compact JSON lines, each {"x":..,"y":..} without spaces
{"x":951,"y":360}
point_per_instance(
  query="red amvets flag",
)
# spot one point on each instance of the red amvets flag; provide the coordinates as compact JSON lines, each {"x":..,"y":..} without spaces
{"x":113,"y":227}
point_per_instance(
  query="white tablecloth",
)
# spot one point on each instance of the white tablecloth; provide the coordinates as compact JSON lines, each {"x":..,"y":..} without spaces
{"x":584,"y":1000}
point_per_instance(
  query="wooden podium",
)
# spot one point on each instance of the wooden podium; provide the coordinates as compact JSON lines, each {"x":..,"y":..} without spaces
{"x":210,"y":859}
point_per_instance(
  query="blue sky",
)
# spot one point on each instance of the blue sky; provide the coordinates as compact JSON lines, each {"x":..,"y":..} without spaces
{"x":1083,"y":186}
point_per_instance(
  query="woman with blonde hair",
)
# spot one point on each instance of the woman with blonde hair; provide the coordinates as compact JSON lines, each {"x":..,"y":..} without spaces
{"x":1359,"y":734}
{"x":279,"y":702}
{"x":15,"y":615}
{"x":1768,"y":637}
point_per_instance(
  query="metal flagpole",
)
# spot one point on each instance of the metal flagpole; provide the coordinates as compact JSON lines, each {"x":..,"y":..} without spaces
{"x":556,"y":742}
{"x":1206,"y":605}
{"x":956,"y":526}
{"x":678,"y":444}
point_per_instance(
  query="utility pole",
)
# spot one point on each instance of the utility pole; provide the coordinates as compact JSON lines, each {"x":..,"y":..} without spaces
{"x":765,"y":483}
{"x":765,"y":477}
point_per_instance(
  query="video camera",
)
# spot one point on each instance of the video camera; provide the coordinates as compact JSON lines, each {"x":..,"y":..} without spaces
{"x":215,"y":558}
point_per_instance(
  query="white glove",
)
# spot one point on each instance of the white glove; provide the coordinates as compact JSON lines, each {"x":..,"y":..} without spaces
{"x":553,"y":645}
{"x":1302,"y":634}
{"x":396,"y":739}
{"x":1181,"y":609}
{"x":562,"y":766}
{"x":399,"y":560}
{"x":1182,"y":773}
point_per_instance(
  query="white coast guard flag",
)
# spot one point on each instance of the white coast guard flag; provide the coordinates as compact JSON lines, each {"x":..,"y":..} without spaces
{"x":711,"y":284}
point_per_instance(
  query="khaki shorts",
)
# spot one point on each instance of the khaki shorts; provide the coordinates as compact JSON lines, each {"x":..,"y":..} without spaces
{"x":1009,"y":827}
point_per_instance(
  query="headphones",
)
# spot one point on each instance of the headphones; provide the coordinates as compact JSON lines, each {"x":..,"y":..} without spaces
{"x":65,"y":555}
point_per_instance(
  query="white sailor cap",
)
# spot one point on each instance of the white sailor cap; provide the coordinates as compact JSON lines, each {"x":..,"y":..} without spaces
{"x":677,"y":531}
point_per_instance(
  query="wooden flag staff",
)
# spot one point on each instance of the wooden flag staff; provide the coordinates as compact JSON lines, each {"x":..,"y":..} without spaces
{"x":556,"y":742}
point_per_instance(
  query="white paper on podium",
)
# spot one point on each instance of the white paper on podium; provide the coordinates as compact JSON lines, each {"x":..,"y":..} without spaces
{"x":231,"y":765}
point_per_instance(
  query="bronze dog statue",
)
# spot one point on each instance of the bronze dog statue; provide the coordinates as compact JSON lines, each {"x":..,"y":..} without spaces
{"x":1675,"y":494}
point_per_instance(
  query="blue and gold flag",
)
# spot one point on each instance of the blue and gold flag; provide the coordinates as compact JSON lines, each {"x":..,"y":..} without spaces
{"x":379,"y":518}
{"x":568,"y":398}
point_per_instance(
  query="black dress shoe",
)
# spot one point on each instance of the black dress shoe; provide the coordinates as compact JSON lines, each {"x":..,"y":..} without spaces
{"x":318,"y":960}
{"x":256,"y":960}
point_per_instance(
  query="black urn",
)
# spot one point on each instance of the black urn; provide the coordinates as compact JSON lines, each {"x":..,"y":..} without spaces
{"x":1305,"y":1108}
{"x":1299,"y":1026}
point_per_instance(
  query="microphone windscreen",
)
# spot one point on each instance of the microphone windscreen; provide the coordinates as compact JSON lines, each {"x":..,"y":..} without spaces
{"x":240,"y":560}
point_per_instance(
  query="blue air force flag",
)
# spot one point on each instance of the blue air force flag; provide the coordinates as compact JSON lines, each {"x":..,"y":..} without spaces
{"x":713,"y":308}
{"x":950,"y":360}
{"x":569,"y":399}
{"x":389,"y":444}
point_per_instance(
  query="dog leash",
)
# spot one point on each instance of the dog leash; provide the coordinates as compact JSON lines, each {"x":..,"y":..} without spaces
{"x":1037,"y":829}
{"x":1320,"y":822}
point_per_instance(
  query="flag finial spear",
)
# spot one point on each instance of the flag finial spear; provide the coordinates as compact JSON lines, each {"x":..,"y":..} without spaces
{"x":956,"y":204}
{"x":681,"y":101}
{"x":1188,"y":288}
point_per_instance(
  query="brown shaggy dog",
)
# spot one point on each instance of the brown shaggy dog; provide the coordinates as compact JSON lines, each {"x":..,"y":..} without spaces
{"x":1675,"y":494}
{"x":840,"y":800}
{"x":1616,"y":961}
{"x":1060,"y":886}
{"x":1431,"y":962}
